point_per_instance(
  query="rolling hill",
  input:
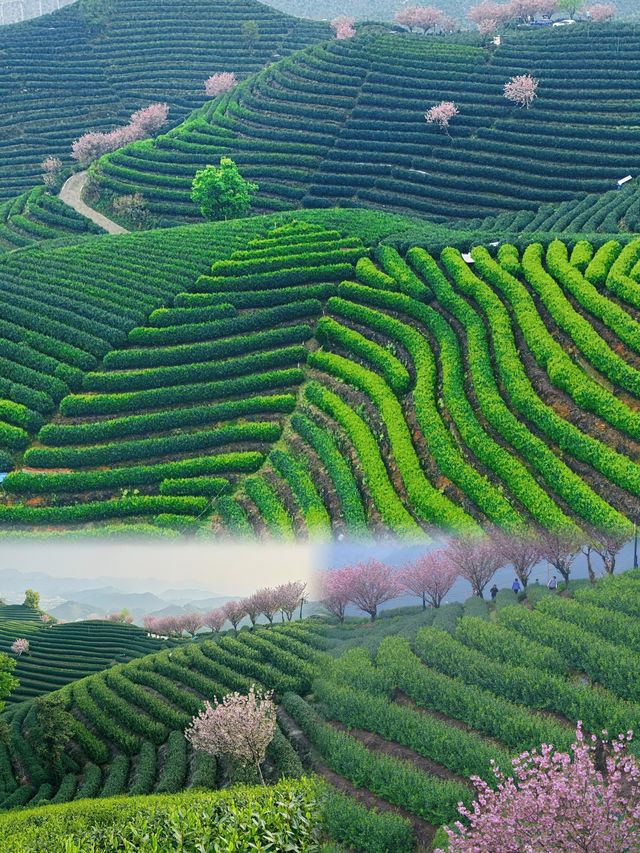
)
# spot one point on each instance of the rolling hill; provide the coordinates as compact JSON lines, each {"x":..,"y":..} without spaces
{"x":60,"y":654}
{"x":91,"y":64}
{"x":394,"y":716}
{"x":315,"y":383}
{"x":342,"y":123}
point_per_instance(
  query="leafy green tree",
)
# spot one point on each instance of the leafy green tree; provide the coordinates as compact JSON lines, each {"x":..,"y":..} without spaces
{"x":55,"y":729}
{"x":221,"y":192}
{"x":7,"y":683}
{"x":32,"y":599}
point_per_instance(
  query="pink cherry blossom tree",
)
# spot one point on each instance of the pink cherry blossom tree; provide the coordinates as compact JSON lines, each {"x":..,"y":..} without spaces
{"x":215,"y":619}
{"x":235,"y":613}
{"x":335,"y":591}
{"x":153,"y":625}
{"x":371,"y":583}
{"x":268,"y":603}
{"x":290,"y":595}
{"x":607,"y":544}
{"x":20,"y":646}
{"x":240,"y":727}
{"x":251,"y":608}
{"x":424,"y":18}
{"x":149,"y":120}
{"x":430,"y":577}
{"x":560,"y":550}
{"x":521,"y":89}
{"x":586,"y":801}
{"x":344,"y":27}
{"x":441,"y":114}
{"x":599,"y":13}
{"x":476,"y":559}
{"x":192,"y":622}
{"x":51,"y":168}
{"x":45,"y":618}
{"x":522,"y":551}
{"x":143,"y":123}
{"x":219,"y":83}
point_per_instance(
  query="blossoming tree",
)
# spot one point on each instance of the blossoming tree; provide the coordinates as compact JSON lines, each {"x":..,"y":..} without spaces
{"x":239,"y":727}
{"x":344,"y":27}
{"x":335,"y":591}
{"x":441,"y":115}
{"x":218,"y":84}
{"x":599,"y":13}
{"x":371,"y":583}
{"x":20,"y":646}
{"x":430,"y":577}
{"x":584,"y":802}
{"x":521,"y":89}
{"x":476,"y":559}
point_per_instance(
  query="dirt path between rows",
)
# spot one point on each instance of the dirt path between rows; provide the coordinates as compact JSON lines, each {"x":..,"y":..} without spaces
{"x":71,"y":194}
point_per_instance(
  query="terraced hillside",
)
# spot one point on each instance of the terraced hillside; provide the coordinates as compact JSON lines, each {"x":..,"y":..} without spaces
{"x":90,"y":65}
{"x":396,"y":715}
{"x":402,"y":722}
{"x":616,"y":211}
{"x":59,"y":654}
{"x":306,"y":388}
{"x":342,"y":123}
{"x":38,"y":215}
{"x":63,"y":309}
{"x":130,"y":719}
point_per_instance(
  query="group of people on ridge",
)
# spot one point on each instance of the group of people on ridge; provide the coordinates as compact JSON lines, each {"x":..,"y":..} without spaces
{"x":516,"y":586}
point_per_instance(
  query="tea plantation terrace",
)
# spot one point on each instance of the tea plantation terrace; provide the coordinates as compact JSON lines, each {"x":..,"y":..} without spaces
{"x":59,"y":654}
{"x":311,"y":386}
{"x":396,"y":715}
{"x":82,"y":69}
{"x":342,"y":123}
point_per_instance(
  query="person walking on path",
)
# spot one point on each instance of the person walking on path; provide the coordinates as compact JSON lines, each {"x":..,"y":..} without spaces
{"x":515,"y":586}
{"x":494,"y":592}
{"x":553,"y":583}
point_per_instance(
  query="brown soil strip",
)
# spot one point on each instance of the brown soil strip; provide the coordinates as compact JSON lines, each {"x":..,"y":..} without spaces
{"x":424,"y":832}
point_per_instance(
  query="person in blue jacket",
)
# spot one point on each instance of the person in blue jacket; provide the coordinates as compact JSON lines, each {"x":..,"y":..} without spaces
{"x":515,"y":586}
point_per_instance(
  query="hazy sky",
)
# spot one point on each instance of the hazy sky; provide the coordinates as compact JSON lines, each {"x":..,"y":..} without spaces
{"x":227,"y":569}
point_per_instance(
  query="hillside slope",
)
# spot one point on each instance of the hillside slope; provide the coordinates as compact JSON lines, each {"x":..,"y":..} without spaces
{"x":396,"y":715}
{"x":59,"y":654}
{"x":91,"y":64}
{"x":315,"y":384}
{"x":343,"y":123}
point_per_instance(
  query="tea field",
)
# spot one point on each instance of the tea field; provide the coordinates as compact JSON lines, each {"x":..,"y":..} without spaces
{"x":315,"y":383}
{"x":342,"y":123}
{"x":90,"y":65}
{"x":394,"y":715}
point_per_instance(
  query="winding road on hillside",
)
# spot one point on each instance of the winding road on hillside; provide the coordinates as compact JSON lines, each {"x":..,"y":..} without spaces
{"x":71,"y":194}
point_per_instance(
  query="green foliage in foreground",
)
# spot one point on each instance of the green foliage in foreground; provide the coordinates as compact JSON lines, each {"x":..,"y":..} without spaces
{"x":292,"y":816}
{"x":283,"y":817}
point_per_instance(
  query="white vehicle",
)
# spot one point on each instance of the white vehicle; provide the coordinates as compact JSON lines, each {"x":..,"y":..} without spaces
{"x":565,"y":23}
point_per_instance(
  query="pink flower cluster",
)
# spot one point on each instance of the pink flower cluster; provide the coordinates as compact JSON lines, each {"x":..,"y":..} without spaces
{"x":489,"y":15}
{"x":218,"y":84}
{"x":240,"y":726}
{"x":142,"y":124}
{"x":122,"y":617}
{"x":476,"y":559}
{"x":521,"y":89}
{"x":441,"y":114}
{"x":344,"y":27}
{"x":51,"y":168}
{"x":20,"y":646}
{"x":266,"y":602}
{"x":424,"y":18}
{"x":599,"y":13}
{"x":588,"y":800}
